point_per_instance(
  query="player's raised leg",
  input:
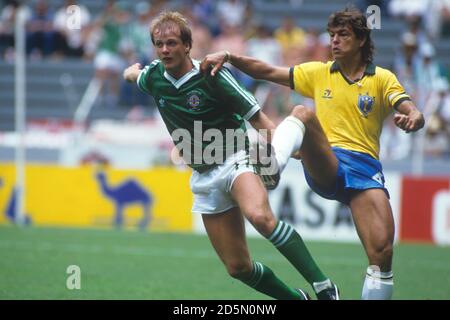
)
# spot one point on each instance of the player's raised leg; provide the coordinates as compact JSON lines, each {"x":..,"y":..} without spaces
{"x":226,"y":232}
{"x":374,"y":223}
{"x":252,"y":199}
{"x":315,"y":152}
{"x":287,"y":139}
{"x":301,"y":130}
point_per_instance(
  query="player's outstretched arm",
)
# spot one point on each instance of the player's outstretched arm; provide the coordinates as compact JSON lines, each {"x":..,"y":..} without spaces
{"x":132,"y":72}
{"x":253,"y":67}
{"x":409,"y":118}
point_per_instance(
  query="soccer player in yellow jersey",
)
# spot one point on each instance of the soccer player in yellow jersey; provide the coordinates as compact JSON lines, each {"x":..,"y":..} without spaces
{"x":339,"y":143}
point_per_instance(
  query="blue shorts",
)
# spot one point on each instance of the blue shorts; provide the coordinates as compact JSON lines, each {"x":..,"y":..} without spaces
{"x":356,"y":171}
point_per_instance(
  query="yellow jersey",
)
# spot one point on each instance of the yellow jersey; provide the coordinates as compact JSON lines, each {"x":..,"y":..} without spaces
{"x":351,"y":113}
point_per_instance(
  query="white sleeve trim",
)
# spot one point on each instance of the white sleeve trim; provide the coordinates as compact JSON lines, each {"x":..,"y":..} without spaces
{"x":230,"y":79}
{"x":143,"y":71}
{"x":252,"y":112}
{"x":139,"y":76}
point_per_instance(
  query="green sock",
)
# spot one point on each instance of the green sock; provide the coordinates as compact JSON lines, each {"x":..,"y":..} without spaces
{"x":291,"y":245}
{"x":265,"y":281}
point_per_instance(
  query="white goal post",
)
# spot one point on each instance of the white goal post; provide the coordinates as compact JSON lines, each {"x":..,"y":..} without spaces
{"x":20,"y":115}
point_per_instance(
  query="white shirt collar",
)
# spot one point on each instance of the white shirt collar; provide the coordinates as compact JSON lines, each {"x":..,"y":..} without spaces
{"x":178,"y":83}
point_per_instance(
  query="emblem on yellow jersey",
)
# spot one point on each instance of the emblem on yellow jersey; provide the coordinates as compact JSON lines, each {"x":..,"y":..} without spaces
{"x":327,"y":94}
{"x":365,"y":104}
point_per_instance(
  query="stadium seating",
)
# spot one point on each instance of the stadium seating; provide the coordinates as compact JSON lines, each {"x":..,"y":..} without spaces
{"x":48,"y":97}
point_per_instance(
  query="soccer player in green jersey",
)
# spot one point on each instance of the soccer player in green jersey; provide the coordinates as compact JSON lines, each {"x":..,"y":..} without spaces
{"x":227,"y":191}
{"x":339,"y":143}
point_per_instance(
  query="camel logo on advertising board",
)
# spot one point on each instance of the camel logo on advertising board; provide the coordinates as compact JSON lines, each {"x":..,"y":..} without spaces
{"x":85,"y":197}
{"x":126,"y":193}
{"x":10,"y":208}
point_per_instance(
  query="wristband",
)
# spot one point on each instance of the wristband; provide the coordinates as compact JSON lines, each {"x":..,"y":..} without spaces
{"x":227,"y":56}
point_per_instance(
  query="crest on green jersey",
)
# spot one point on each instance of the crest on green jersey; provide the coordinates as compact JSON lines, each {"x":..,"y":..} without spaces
{"x":194,"y":100}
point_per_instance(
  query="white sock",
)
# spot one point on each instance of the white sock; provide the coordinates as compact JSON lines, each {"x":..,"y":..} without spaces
{"x":378,"y":285}
{"x":287,"y":139}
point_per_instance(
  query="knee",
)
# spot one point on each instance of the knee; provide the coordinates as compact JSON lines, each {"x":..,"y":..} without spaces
{"x":381,"y":251}
{"x":239,"y":269}
{"x":263,"y":222}
{"x":303,"y":113}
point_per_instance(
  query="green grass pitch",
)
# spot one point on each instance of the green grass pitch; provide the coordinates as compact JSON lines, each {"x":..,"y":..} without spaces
{"x":134,"y":265}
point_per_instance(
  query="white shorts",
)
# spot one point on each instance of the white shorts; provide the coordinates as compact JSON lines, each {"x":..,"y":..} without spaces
{"x":212,"y":188}
{"x":110,"y":61}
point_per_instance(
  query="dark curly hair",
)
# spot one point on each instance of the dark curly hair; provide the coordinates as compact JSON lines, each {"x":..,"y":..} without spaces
{"x":357,"y":21}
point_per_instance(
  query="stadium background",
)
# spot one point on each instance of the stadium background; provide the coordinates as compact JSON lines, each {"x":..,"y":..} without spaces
{"x":99,"y":157}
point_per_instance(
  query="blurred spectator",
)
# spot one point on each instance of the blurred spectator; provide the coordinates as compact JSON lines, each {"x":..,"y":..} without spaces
{"x":416,"y":28}
{"x":437,"y":127}
{"x":289,"y":34}
{"x":427,"y":73}
{"x":437,"y":19}
{"x":292,"y":41}
{"x":142,"y":51}
{"x":263,"y":46}
{"x":232,"y":12}
{"x":232,"y":39}
{"x":443,"y":114}
{"x":442,"y":87}
{"x":405,"y":62}
{"x":201,"y":36}
{"x":317,"y":46}
{"x":158,"y":6}
{"x":203,"y":11}
{"x":437,"y":136}
{"x":113,"y":46}
{"x":41,"y":36}
{"x":72,"y":38}
{"x":7,"y":23}
{"x":142,"y":47}
{"x":408,"y":8}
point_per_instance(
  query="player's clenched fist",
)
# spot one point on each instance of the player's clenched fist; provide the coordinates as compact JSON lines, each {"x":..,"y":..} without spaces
{"x":411,"y":122}
{"x":132,"y":72}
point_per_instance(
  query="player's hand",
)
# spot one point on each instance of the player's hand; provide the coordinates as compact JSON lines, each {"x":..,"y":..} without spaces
{"x":411,"y":122}
{"x":214,"y":61}
{"x":132,"y":72}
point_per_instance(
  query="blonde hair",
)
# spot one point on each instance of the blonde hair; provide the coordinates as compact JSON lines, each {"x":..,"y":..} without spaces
{"x":167,"y":19}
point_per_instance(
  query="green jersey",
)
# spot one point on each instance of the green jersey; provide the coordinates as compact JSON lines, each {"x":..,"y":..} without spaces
{"x":111,"y":37}
{"x":203,"y":114}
